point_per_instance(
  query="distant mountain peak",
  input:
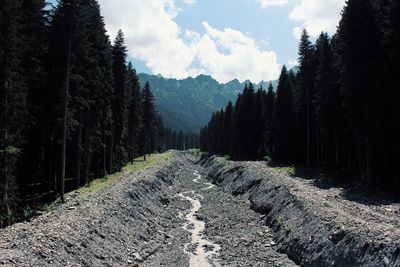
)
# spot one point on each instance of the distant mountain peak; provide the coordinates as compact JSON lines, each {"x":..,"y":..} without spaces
{"x":234,"y":81}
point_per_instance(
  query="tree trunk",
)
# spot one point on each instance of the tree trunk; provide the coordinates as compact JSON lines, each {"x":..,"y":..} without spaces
{"x":78,"y":153}
{"x":110,"y":159}
{"x":368,"y":146}
{"x":104,"y":163}
{"x":133,"y":148}
{"x":8,"y":210}
{"x":308,"y":127}
{"x":86,"y":157}
{"x":336,"y":148}
{"x":149,"y":144}
{"x":64,"y":129}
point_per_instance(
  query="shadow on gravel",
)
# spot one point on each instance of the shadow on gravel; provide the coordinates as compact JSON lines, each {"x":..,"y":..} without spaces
{"x":328,"y":179}
{"x":374,"y":198}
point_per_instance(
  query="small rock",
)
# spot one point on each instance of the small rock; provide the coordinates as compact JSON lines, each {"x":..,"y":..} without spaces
{"x":273,"y":243}
{"x":137,"y":256}
{"x":386,"y":261}
{"x":168,"y":236}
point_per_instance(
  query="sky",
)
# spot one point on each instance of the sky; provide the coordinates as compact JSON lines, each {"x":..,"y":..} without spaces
{"x":227,"y":39}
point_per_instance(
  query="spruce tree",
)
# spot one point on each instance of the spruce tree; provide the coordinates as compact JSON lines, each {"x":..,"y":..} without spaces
{"x":269,"y":121}
{"x":327,"y":102}
{"x":359,"y":80}
{"x":120,"y":111}
{"x":12,"y":105}
{"x":284,"y":120}
{"x":227,"y":129}
{"x":306,"y":94}
{"x":148,"y":119}
{"x":135,"y":112}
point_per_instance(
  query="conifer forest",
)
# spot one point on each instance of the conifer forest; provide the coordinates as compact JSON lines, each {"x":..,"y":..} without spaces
{"x":337,"y":111}
{"x":71,"y":109}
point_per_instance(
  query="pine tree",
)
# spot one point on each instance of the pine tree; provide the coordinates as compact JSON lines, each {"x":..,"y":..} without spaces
{"x":327,"y":102}
{"x":391,"y":98}
{"x":120,"y":111}
{"x":284,"y":120}
{"x":306,"y":94}
{"x":259,"y":123}
{"x":269,"y":121}
{"x":244,"y":124}
{"x":148,"y":119}
{"x":359,"y":79}
{"x":227,"y":129}
{"x":35,"y":48}
{"x":135,"y":112}
{"x":12,"y":105}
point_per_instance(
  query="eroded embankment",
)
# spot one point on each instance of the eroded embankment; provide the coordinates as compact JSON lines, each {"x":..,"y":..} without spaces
{"x":315,"y":226}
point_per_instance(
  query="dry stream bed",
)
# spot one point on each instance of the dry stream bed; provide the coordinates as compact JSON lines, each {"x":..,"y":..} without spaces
{"x":177,"y":213}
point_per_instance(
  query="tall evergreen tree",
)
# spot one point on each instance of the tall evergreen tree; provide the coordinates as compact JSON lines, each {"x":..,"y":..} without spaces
{"x":284,"y":119}
{"x":135,"y":112}
{"x":120,"y":111}
{"x":148,"y":119}
{"x":12,"y":105}
{"x":327,"y":102}
{"x":227,"y":129}
{"x":306,"y":93}
{"x":269,"y":121}
{"x":244,"y":124}
{"x":359,"y":79}
{"x":35,"y":32}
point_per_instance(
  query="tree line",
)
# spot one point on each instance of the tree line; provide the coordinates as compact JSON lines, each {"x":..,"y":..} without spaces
{"x":338,"y":110}
{"x":71,"y":108}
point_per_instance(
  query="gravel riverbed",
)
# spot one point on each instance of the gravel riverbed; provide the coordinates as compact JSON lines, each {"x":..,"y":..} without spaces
{"x":210,"y":212}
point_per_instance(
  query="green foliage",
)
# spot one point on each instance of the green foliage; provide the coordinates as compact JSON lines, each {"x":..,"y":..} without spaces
{"x":138,"y":164}
{"x":281,"y":223}
{"x":187,"y":105}
{"x":12,"y":151}
{"x":287,"y":169}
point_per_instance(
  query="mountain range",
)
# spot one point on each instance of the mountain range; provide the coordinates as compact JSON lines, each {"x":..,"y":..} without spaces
{"x":187,"y":105}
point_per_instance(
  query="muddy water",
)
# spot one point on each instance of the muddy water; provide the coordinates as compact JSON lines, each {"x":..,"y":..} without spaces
{"x":205,"y":250}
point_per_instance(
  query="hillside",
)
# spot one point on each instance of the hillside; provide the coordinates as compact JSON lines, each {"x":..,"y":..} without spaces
{"x":188,"y":104}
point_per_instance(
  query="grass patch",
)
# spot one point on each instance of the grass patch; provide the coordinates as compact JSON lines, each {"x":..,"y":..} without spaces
{"x":51,"y":206}
{"x":196,"y":152}
{"x":138,"y":164}
{"x":98,"y":184}
{"x":287,"y":169}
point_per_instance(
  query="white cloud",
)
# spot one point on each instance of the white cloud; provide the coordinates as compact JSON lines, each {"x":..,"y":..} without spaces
{"x":189,"y":2}
{"x":269,"y":3}
{"x":230,"y":54}
{"x":293,"y":62}
{"x":317,"y":16}
{"x":153,"y":36}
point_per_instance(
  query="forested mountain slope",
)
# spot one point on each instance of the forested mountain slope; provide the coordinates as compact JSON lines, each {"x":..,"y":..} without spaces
{"x":187,"y":104}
